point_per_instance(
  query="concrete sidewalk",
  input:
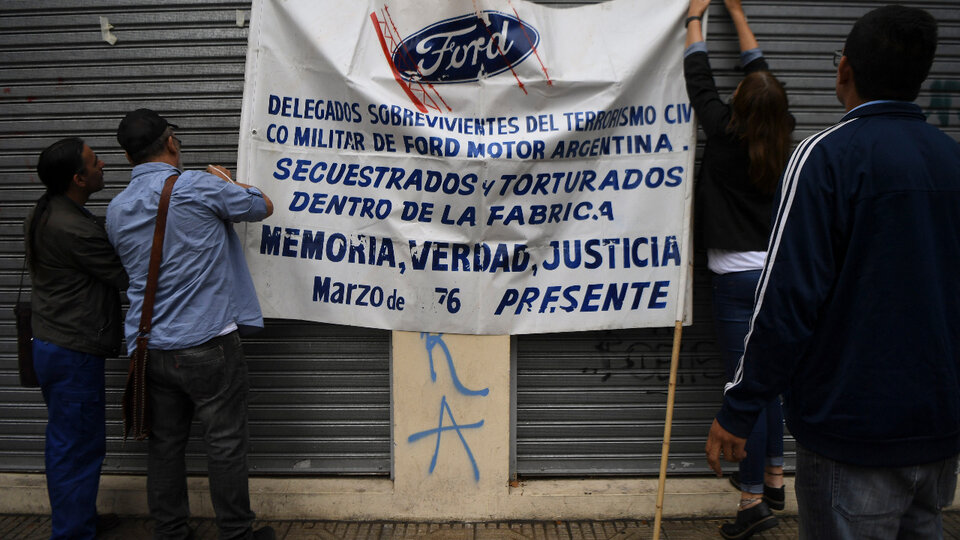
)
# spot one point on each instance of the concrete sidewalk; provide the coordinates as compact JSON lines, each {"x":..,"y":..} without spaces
{"x":33,"y":527}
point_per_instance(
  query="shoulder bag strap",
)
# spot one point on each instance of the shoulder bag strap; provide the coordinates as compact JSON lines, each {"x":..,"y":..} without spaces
{"x":156,"y":255}
{"x":23,"y":271}
{"x":27,"y":250}
{"x":136,"y":413}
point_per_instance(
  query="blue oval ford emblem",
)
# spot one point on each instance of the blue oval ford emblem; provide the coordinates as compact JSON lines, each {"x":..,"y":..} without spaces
{"x":465,"y":49}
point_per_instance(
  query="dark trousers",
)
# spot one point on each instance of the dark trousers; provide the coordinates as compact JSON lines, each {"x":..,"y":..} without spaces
{"x":207,"y":382}
{"x":733,"y":296}
{"x":73,"y":388}
{"x":847,"y":502}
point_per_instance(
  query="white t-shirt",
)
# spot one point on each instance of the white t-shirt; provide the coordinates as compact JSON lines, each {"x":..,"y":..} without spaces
{"x":723,"y":261}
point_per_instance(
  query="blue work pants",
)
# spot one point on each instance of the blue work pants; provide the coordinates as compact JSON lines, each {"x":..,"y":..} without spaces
{"x":72,"y":383}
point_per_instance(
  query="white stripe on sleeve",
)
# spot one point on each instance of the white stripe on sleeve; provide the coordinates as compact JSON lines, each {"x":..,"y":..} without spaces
{"x":787,"y":193}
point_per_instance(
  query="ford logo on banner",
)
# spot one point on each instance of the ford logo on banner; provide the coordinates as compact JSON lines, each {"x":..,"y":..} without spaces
{"x":465,"y":49}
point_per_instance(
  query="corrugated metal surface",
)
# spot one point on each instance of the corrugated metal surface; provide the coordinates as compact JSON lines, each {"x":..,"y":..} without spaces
{"x":594,"y":403}
{"x":590,"y":403}
{"x":320,"y":394}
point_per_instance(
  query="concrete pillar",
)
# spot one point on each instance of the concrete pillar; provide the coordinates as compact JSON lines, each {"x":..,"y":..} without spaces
{"x":451,"y":423}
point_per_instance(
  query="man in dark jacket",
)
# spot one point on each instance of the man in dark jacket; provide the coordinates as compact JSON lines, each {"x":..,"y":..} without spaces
{"x":858,"y":307}
{"x":76,"y":322}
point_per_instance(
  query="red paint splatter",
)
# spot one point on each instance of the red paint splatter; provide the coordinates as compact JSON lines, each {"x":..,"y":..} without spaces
{"x":406,"y":52}
{"x":532,"y":46}
{"x":499,"y":50}
{"x":6,"y":90}
{"x":396,"y":74}
{"x":30,"y":99}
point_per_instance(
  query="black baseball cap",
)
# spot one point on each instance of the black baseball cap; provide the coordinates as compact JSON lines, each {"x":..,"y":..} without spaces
{"x":141,"y":128}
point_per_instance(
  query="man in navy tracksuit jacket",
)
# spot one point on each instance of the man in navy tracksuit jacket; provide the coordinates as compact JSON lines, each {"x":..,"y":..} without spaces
{"x":857,"y":314}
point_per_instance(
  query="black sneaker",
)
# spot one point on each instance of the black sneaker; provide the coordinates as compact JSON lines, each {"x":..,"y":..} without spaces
{"x":750,"y":521}
{"x":774,"y":497}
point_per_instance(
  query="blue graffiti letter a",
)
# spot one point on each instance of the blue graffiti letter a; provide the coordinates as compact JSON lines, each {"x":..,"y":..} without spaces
{"x":454,"y":427}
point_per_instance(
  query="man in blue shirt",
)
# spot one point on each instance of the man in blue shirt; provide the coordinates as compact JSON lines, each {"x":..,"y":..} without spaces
{"x":858,"y":305}
{"x":204,"y":297}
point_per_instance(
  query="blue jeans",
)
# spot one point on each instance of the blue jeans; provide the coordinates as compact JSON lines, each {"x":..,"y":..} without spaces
{"x":841,"y":501}
{"x":733,"y":295}
{"x":72,"y":383}
{"x":209,"y":382}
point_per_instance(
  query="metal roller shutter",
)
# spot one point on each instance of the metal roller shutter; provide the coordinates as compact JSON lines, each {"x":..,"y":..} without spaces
{"x":587,"y":403}
{"x":320,"y":394}
{"x":594,"y":403}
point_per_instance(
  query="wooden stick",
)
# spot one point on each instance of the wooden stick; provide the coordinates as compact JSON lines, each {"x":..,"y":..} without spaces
{"x":665,"y":451}
{"x":675,"y":356}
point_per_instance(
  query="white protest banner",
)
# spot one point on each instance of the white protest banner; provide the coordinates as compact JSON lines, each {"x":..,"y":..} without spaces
{"x":478,"y":167}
